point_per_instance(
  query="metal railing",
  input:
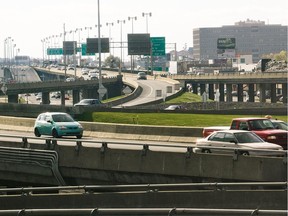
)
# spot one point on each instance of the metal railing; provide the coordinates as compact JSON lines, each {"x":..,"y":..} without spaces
{"x":139,"y":211}
{"x":51,"y":143}
{"x":84,"y":189}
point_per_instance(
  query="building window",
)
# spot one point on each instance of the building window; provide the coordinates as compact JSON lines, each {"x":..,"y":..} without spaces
{"x":242,"y":60}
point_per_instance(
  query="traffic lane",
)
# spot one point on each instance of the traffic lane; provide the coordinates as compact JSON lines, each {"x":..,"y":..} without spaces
{"x":148,"y":94}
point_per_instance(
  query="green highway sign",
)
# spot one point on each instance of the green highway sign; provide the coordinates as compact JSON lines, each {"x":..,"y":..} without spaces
{"x":54,"y":51}
{"x":84,"y":50}
{"x":158,"y":46}
{"x":58,"y":51}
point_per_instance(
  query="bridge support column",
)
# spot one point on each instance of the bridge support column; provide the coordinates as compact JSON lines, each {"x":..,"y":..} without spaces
{"x":229,"y":97}
{"x":13,"y":98}
{"x":273,"y":93}
{"x":45,"y":97}
{"x":202,"y":88}
{"x":284,"y":92}
{"x":211,"y":92}
{"x":262,"y":96}
{"x":76,"y":96}
{"x":251,"y":93}
{"x":195,"y":89}
{"x":63,"y":98}
{"x":222,"y":92}
{"x":240,"y":92}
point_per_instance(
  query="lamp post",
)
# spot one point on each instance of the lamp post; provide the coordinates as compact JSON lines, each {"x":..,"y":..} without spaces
{"x":121,"y":56}
{"x":87,"y":28}
{"x":79,"y":44}
{"x":147,"y":15}
{"x":132,"y":57}
{"x":110,"y":24}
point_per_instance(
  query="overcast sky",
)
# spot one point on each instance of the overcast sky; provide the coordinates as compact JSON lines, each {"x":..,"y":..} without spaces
{"x":30,"y":21}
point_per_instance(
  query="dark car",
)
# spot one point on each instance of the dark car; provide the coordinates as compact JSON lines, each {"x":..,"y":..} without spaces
{"x":141,"y":76}
{"x":89,"y":102}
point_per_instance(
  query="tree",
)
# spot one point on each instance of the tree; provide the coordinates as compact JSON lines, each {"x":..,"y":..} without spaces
{"x":282,"y":56}
{"x":112,"y":61}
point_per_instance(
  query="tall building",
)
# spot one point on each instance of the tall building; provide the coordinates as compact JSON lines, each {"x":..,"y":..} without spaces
{"x":251,"y":37}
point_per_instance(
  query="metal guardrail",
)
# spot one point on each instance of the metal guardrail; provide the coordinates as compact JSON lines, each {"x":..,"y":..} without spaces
{"x":84,"y":189}
{"x":42,"y":158}
{"x":139,"y":211}
{"x":52,"y":142}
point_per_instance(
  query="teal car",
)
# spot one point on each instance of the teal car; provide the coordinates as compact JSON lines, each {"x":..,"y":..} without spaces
{"x":57,"y":124}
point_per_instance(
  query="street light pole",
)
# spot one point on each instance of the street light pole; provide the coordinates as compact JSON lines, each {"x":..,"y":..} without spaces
{"x":79,"y":44}
{"x":132,"y":57}
{"x":121,"y":22}
{"x":147,"y":15}
{"x":110,"y":24}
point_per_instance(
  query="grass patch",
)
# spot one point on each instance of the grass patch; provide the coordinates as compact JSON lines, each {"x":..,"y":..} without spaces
{"x":186,"y":97}
{"x":166,"y":119}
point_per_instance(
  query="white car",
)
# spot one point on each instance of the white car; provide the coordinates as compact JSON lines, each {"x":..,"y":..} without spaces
{"x":246,"y":142}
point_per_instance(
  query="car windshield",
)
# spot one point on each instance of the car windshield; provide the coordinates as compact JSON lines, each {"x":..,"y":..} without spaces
{"x":247,"y":138}
{"x":62,"y":118}
{"x":261,"y":124}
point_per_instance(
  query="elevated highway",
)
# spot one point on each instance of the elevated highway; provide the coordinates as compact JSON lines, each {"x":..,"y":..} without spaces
{"x":224,"y":83}
{"x":86,"y":162}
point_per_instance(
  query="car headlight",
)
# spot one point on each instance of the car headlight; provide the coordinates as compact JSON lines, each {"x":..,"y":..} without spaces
{"x":271,"y":137}
{"x":80,"y":126}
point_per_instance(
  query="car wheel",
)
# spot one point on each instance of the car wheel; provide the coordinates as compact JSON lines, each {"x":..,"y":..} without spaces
{"x":207,"y":151}
{"x":245,"y":153}
{"x":36,"y":132}
{"x":79,"y":136}
{"x":55,"y":133}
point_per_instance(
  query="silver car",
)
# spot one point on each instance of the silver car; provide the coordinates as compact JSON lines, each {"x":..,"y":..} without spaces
{"x":246,"y":142}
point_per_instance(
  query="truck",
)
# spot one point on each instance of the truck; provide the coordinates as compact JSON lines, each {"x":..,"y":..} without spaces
{"x":263,"y":127}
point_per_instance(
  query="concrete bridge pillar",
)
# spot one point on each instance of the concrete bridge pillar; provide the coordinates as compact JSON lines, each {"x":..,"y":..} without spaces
{"x":76,"y":96}
{"x":284,"y":92}
{"x":262,"y":96}
{"x":63,"y":98}
{"x":251,"y":93}
{"x":13,"y":98}
{"x":45,"y":97}
{"x":229,"y":97}
{"x":273,"y":93}
{"x":202,"y":88}
{"x":211,"y":92}
{"x":240,"y":92}
{"x":222,"y":92}
{"x":195,"y":88}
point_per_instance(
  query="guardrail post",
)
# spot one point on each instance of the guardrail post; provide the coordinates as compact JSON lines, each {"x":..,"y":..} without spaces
{"x":94,"y":212}
{"x":21,"y":212}
{"x":285,"y":158}
{"x":255,"y":212}
{"x":236,"y":154}
{"x":54,"y":143}
{"x":145,"y":149}
{"x":78,"y":146}
{"x":48,"y":143}
{"x":103,"y":147}
{"x":24,"y":142}
{"x":172,"y":212}
{"x":189,"y":152}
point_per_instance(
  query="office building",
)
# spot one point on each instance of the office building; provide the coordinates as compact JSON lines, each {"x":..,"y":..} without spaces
{"x":251,"y":38}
